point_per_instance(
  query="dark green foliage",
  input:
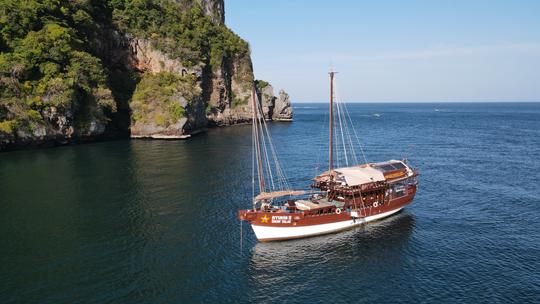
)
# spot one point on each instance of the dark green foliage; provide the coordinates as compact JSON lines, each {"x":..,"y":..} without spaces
{"x":261,"y":84}
{"x":46,"y":60}
{"x":157,"y":98}
{"x":237,"y":101}
{"x":51,"y":54}
{"x":180,"y":29}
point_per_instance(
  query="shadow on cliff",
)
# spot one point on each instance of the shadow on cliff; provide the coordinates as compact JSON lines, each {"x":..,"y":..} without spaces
{"x":122,"y":82}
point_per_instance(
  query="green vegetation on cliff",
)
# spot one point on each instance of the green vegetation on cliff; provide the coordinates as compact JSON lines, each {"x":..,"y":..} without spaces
{"x":55,"y":59}
{"x":45,"y":62}
{"x":180,"y":29}
{"x":161,"y":98}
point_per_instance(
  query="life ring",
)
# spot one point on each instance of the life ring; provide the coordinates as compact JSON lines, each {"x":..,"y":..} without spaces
{"x":338,"y":211}
{"x":376,"y":204}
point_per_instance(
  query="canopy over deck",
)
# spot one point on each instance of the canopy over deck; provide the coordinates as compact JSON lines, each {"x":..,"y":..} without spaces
{"x":365,"y":173}
{"x":355,"y":176}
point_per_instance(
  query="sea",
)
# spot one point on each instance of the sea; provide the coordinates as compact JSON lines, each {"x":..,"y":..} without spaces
{"x":150,"y":221}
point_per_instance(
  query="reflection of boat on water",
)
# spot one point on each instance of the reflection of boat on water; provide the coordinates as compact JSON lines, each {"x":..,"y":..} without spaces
{"x":345,"y":197}
{"x":367,"y":241}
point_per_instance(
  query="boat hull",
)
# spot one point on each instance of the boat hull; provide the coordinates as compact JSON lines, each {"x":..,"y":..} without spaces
{"x":272,"y":233}
{"x":280,"y":225}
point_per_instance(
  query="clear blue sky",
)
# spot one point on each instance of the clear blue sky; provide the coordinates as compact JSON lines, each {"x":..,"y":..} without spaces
{"x":394,"y":50}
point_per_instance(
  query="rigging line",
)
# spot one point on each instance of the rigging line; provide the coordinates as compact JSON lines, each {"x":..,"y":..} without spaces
{"x":256,"y":122}
{"x":352,"y":144}
{"x":341,"y":132}
{"x":269,"y":143}
{"x":336,"y":138}
{"x":267,"y":162}
{"x":342,"y":117}
{"x":349,"y":137}
{"x":281,"y":178}
{"x":255,"y":145}
{"x":284,"y":183}
{"x":279,"y":172}
{"x":264,"y":144}
{"x":357,"y":139}
{"x":322,"y":144}
{"x":253,"y":151}
{"x":340,"y":114}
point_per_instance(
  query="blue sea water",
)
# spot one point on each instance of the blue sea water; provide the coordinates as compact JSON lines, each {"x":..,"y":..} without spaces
{"x":155,"y":221}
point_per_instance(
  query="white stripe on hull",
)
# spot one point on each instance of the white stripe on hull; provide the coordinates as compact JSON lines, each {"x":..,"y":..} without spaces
{"x":270,"y":233}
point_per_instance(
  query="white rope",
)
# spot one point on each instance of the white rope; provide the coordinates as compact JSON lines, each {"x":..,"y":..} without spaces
{"x":279,"y":171}
{"x":322,"y":144}
{"x":348,"y":128}
{"x":337,"y":137}
{"x":255,"y":134}
{"x":348,"y":131}
{"x":340,"y":119}
{"x":343,"y":110}
{"x":357,"y":138}
{"x":266,"y":159}
{"x":343,"y":143}
{"x":268,"y":144}
{"x":253,"y":152}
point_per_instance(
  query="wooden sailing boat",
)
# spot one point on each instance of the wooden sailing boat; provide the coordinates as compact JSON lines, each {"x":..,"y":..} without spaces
{"x":346,"y":196}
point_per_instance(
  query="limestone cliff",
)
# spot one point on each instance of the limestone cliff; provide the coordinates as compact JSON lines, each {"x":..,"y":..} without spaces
{"x":120,"y":68}
{"x":282,"y":109}
{"x":215,"y":9}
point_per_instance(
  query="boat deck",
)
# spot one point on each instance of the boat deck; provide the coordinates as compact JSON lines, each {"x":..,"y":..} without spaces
{"x":305,"y":205}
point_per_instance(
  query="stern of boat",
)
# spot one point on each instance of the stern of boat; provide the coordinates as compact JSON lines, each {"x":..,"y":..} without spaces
{"x":247,"y":215}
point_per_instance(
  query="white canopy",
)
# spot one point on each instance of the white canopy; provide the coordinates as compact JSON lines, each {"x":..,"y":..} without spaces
{"x":355,"y":176}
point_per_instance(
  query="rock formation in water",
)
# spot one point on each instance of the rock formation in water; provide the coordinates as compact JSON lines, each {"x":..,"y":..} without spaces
{"x":82,"y":70}
{"x":282,"y":110}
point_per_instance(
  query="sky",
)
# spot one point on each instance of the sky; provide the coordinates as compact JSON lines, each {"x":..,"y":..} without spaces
{"x":397,"y":51}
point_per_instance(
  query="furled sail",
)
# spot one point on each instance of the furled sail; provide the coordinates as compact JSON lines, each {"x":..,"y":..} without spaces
{"x":274,"y":194}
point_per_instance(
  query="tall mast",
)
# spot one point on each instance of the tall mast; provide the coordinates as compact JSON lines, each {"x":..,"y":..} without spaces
{"x":331,"y":148}
{"x":257,"y":140}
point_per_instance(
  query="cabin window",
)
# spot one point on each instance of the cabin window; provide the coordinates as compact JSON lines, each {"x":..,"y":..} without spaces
{"x":398,"y":165}
{"x":390,"y":167}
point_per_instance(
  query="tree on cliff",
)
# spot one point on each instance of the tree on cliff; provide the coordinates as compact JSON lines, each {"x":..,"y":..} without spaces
{"x":56,"y":80}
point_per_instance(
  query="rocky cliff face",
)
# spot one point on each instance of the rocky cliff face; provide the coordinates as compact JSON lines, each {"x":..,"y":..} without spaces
{"x":215,"y":9}
{"x":223,"y":96}
{"x":283,"y":109}
{"x":155,"y":84}
{"x":225,"y":91}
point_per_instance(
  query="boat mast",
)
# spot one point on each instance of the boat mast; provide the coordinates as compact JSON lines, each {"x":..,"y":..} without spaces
{"x":331,"y":148}
{"x":257,"y":140}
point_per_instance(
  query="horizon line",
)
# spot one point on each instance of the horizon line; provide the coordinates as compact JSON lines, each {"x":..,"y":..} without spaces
{"x":433,"y":101}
